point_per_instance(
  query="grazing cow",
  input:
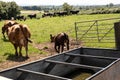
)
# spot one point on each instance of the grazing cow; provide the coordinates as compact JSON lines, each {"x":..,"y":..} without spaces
{"x":48,"y":14}
{"x":74,"y":12}
{"x":20,"y":17}
{"x":7,"y":24}
{"x":60,"y":41}
{"x":19,"y":36}
{"x":32,"y":16}
{"x":62,"y":13}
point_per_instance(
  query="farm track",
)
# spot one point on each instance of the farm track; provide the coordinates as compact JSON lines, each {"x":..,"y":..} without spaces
{"x":32,"y":57}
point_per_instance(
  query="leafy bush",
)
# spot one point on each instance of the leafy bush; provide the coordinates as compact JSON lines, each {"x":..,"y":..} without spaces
{"x":8,"y":10}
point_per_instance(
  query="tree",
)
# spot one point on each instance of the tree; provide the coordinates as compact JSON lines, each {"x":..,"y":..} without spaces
{"x":110,"y":5}
{"x":2,"y":10}
{"x":13,"y":10}
{"x":8,"y":10}
{"x":66,"y":7}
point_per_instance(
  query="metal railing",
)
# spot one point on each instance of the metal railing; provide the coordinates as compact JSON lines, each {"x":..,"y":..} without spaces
{"x":95,"y":31}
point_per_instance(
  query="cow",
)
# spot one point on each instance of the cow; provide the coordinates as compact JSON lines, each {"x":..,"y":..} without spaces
{"x":48,"y":14}
{"x":20,"y":17}
{"x":62,"y":13}
{"x":32,"y":16}
{"x":74,"y":11}
{"x":59,"y":41}
{"x":7,"y":24}
{"x":19,"y":35}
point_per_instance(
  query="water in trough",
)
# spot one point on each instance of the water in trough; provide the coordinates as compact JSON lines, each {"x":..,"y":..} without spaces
{"x":79,"y":74}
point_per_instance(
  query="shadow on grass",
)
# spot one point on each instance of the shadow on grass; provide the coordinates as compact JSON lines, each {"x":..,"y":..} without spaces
{"x":12,"y":57}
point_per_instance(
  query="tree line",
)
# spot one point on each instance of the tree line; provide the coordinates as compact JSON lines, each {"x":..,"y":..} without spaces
{"x":11,"y":9}
{"x":92,"y":9}
{"x":65,"y":7}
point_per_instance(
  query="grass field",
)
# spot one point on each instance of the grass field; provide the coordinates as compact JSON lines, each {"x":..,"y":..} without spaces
{"x":43,"y":27}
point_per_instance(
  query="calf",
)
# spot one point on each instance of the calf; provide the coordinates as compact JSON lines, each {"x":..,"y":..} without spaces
{"x":60,"y":41}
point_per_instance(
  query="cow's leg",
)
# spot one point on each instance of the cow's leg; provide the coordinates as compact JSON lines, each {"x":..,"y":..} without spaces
{"x":16,"y":52}
{"x":58,"y":48}
{"x":26,"y":52}
{"x":67,"y":44}
{"x":3,"y":32}
{"x":55,"y":47}
{"x":20,"y":50}
{"x":4,"y":36}
{"x":62,"y":48}
{"x":26,"y":48}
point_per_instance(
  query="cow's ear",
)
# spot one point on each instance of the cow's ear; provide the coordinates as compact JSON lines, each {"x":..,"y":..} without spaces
{"x":9,"y":24}
{"x":21,"y":25}
{"x":50,"y":35}
{"x":15,"y":23}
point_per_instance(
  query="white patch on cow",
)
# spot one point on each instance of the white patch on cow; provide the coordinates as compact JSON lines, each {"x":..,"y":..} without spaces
{"x":62,"y":34}
{"x":13,"y":42}
{"x":22,"y":41}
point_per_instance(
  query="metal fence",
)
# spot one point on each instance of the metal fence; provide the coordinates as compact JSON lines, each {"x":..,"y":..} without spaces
{"x":97,"y":33}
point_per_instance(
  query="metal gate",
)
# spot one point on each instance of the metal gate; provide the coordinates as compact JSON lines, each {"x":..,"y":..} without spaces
{"x":96,"y":33}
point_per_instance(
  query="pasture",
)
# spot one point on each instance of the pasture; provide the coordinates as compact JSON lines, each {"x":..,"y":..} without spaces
{"x":43,"y":27}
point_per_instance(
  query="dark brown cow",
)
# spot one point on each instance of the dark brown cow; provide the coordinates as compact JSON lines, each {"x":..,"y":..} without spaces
{"x":7,"y":24}
{"x":32,"y":16}
{"x":62,"y":13}
{"x":48,"y":14}
{"x":20,"y":17}
{"x":19,"y":36}
{"x":60,"y":41}
{"x":74,"y":11}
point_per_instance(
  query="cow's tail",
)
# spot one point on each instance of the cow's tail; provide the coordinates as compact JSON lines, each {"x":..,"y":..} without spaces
{"x":29,"y":40}
{"x":21,"y":26}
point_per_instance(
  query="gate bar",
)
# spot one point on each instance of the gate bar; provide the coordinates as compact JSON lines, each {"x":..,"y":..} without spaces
{"x":43,"y":74}
{"x":73,"y":64}
{"x":98,"y":20}
{"x":100,"y":57}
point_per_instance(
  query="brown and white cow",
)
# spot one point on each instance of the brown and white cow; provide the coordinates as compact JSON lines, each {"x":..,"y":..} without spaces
{"x":19,"y":36}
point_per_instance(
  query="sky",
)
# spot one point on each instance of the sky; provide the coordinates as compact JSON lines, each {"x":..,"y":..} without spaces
{"x":61,"y":2}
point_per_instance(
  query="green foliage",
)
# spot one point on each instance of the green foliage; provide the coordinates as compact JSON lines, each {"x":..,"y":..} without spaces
{"x":100,"y":10}
{"x":8,"y":10}
{"x":13,"y":9}
{"x":93,"y":9}
{"x":66,"y":7}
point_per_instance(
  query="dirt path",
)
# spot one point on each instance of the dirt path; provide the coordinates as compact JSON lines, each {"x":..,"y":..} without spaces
{"x":49,"y":50}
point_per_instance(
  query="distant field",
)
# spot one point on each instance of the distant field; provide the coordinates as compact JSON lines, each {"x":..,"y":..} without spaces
{"x":29,"y":12}
{"x":26,"y":12}
{"x":43,"y":27}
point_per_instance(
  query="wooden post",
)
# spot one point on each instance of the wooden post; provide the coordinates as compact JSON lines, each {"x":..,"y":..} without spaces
{"x":117,"y":35}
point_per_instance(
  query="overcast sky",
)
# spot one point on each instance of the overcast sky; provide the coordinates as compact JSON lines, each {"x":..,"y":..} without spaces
{"x":60,"y":2}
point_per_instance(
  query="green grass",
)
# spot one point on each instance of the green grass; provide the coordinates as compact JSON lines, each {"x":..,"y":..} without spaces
{"x":43,"y":27}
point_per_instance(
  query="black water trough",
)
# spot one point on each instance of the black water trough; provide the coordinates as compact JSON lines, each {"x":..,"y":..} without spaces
{"x":102,"y":62}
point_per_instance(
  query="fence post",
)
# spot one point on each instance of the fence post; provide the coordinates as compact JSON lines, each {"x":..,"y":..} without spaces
{"x":76,"y":33}
{"x":117,"y":35}
{"x":97,"y":30}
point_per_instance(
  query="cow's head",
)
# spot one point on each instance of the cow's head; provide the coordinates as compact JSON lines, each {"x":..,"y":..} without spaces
{"x":6,"y":25}
{"x":52,"y":38}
